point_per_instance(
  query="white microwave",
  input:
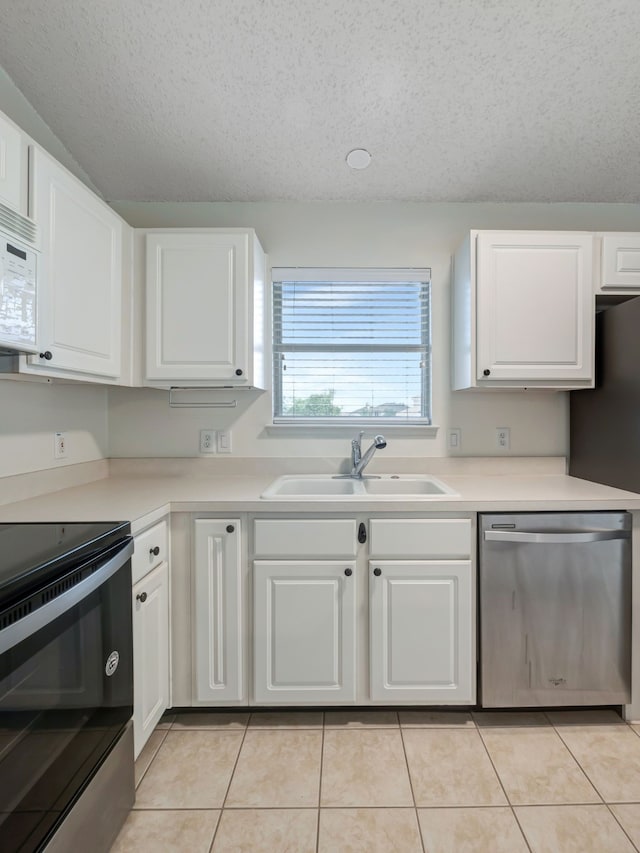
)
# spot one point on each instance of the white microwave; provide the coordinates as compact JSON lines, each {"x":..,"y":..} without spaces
{"x":18,"y":294}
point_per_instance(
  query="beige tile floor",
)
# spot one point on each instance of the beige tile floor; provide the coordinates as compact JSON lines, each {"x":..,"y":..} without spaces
{"x":381,"y":781}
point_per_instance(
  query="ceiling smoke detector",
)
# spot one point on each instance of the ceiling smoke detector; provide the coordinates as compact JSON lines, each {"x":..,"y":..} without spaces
{"x":359,"y":158}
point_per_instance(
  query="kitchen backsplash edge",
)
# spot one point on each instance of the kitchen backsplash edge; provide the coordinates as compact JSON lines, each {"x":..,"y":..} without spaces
{"x":277,"y":466}
{"x":20,"y":487}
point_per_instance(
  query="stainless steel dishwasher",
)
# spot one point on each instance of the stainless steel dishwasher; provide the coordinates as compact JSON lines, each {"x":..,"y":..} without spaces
{"x":555,"y":609}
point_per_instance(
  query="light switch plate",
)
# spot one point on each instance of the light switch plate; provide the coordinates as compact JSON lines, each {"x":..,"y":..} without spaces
{"x":454,"y":438}
{"x":224,"y":441}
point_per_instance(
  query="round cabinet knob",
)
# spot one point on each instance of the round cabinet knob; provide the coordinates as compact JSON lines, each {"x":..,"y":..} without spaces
{"x":230,"y":528}
{"x":348,"y":572}
{"x":486,"y":372}
{"x":377,"y":572}
{"x":141,"y":597}
{"x":154,"y":551}
{"x":238,"y":372}
{"x":47,"y":354}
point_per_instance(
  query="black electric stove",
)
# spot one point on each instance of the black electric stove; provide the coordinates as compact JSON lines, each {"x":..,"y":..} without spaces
{"x":31,"y":554}
{"x":66,"y":685}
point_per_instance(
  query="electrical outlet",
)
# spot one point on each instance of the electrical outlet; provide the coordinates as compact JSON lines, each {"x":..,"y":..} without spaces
{"x":503,"y":438}
{"x":207,"y":441}
{"x":59,"y":445}
{"x":224,"y":441}
{"x":454,"y":438}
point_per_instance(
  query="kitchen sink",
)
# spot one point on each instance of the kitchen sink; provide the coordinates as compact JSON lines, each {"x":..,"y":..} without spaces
{"x":414,"y":485}
{"x":320,"y":486}
{"x":385,"y":487}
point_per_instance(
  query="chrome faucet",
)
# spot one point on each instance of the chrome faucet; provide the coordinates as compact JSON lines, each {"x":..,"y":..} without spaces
{"x":359,"y":461}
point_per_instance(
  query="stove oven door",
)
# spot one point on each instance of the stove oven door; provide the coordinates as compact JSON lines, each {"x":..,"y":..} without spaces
{"x":66,"y":695}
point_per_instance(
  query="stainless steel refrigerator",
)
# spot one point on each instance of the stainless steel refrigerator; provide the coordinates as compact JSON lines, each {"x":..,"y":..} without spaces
{"x":605,"y":421}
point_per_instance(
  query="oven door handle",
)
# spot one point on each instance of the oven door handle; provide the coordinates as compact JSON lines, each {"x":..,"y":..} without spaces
{"x":559,"y":538}
{"x":43,"y":616}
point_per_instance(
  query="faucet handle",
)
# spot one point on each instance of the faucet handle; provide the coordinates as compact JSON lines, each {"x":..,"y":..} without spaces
{"x":356,"y":449}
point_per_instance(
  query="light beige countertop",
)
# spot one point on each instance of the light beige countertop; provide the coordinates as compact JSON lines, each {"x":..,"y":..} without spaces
{"x":144,"y":494}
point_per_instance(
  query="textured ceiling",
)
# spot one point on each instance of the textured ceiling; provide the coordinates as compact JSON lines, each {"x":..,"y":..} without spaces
{"x":457,"y":100}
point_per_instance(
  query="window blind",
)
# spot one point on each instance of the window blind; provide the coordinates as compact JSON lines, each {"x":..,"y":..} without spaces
{"x":351,"y":345}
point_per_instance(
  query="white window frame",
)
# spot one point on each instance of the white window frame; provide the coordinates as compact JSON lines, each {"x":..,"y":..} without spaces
{"x":301,"y":274}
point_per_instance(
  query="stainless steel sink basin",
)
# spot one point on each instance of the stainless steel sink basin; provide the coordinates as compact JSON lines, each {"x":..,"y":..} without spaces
{"x":386,"y":487}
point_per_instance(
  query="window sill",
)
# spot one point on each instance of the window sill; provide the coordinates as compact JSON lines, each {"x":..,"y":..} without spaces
{"x":348,"y":429}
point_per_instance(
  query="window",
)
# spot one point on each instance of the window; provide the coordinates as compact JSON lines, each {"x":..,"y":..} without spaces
{"x":351,"y":346}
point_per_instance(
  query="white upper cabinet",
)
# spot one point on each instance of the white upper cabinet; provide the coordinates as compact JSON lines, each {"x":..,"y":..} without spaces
{"x":13,"y":166}
{"x":204,"y":308}
{"x":80,"y":318}
{"x":620,"y":263}
{"x":523,"y":310}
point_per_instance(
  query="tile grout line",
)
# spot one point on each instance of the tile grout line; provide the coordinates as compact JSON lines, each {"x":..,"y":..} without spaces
{"x":235,"y":764}
{"x":324,"y":723}
{"x":413,"y":794}
{"x":166,"y":732}
{"x":504,"y":790}
{"x":615,"y":817}
{"x":582,"y":770}
{"x":432,"y":807}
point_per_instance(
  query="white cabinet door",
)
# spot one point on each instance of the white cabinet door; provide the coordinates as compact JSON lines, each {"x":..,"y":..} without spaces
{"x":81,"y":280}
{"x":421,"y":638}
{"x":219,"y":618}
{"x":12,"y":166}
{"x":620,"y":262}
{"x":150,"y":653}
{"x":535,"y":309}
{"x":304,"y":632}
{"x":197,"y":315}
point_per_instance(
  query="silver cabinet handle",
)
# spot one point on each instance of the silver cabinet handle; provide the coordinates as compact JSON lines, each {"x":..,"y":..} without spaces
{"x":555,"y":538}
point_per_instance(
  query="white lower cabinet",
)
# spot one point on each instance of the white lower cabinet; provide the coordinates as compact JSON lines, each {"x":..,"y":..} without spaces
{"x":309,"y":611}
{"x":150,"y":653}
{"x":341,"y":611}
{"x":304,"y":632}
{"x":421,"y":643}
{"x":219,"y":620}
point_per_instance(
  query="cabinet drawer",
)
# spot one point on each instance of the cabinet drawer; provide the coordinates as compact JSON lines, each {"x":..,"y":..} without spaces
{"x":421,"y":538}
{"x":325,"y":538}
{"x":151,"y":548}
